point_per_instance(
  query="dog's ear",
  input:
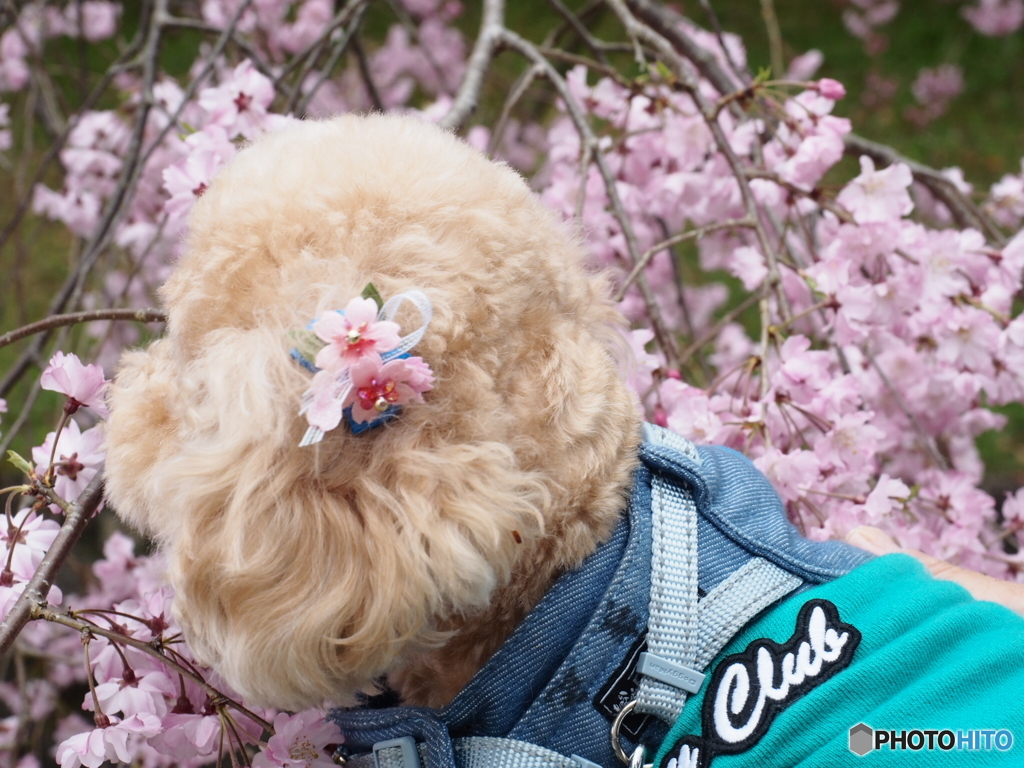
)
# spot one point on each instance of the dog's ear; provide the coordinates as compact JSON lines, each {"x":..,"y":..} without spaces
{"x":141,"y":432}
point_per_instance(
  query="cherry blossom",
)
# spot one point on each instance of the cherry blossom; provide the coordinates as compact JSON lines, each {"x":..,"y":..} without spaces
{"x":640,"y":366}
{"x":32,"y":535}
{"x":299,"y":741}
{"x":97,"y":19}
{"x":878,"y":195}
{"x":1006,"y":200}
{"x":84,"y":385}
{"x":995,"y":18}
{"x":112,"y":743}
{"x":187,"y":180}
{"x":240,"y":104}
{"x":831,"y":89}
{"x":805,"y":65}
{"x":13,"y":583}
{"x":136,"y":694}
{"x":77,"y":460}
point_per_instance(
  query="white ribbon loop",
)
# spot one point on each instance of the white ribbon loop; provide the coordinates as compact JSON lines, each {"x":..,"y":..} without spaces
{"x":390,"y":310}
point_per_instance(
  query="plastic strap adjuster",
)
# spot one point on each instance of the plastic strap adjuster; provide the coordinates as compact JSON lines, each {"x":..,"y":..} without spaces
{"x":407,"y":745}
{"x":670,"y":673}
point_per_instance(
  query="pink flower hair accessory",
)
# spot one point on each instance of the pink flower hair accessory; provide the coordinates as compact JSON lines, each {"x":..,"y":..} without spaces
{"x":362,"y":368}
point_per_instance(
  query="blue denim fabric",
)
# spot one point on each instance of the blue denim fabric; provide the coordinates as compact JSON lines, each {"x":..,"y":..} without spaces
{"x":741,"y":516}
{"x":540,"y":685}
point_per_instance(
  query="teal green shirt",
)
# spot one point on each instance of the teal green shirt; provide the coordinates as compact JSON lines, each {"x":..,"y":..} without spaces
{"x":906,"y":653}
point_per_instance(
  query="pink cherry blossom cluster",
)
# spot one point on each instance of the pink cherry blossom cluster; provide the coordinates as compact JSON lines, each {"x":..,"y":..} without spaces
{"x":995,"y":18}
{"x":36,"y":22}
{"x":882,"y":339}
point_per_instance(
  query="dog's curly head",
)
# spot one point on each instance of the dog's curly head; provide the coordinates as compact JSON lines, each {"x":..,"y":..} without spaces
{"x":302,"y":574}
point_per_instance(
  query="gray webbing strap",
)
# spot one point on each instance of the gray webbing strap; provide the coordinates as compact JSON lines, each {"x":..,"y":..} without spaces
{"x":672,"y":626}
{"x":474,"y":752}
{"x":684,"y":635}
{"x":730,"y":605}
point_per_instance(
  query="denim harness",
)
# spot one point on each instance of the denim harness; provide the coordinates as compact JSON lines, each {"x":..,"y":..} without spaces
{"x":533,"y":705}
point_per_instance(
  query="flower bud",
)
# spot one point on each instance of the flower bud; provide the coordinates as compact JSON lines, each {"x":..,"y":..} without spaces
{"x":831,"y":89}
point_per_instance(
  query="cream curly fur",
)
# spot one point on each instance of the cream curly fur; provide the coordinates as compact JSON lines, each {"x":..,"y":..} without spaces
{"x":304,"y":574}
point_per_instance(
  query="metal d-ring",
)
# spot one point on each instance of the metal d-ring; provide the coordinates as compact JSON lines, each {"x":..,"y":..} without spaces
{"x":637,"y":758}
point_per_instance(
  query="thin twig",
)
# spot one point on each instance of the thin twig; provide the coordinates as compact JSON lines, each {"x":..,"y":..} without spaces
{"x":925,"y":438}
{"x":590,"y":142}
{"x":367,"y":76}
{"x":599,"y":47}
{"x":73,"y":318}
{"x":40,"y":612}
{"x":675,"y":240}
{"x":339,"y":50}
{"x":771,"y":25}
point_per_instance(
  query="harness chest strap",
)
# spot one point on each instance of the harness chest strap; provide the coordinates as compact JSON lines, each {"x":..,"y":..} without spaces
{"x":684,"y":634}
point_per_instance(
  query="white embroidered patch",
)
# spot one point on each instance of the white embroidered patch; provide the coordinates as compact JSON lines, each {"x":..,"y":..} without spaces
{"x":748,"y":690}
{"x":821,"y":646}
{"x":688,"y":758}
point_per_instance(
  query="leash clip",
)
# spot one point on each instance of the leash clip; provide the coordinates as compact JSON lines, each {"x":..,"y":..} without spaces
{"x":636,"y":760}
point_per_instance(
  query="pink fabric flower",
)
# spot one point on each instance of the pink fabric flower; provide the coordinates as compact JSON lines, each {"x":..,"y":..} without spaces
{"x":377,"y":385}
{"x":353,"y":335}
{"x":84,"y":385}
{"x":326,"y":406}
{"x":299,"y":741}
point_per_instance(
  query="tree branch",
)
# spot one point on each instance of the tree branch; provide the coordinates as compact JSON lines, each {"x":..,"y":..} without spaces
{"x":491,"y":26}
{"x":38,"y":587}
{"x":73,"y":318}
